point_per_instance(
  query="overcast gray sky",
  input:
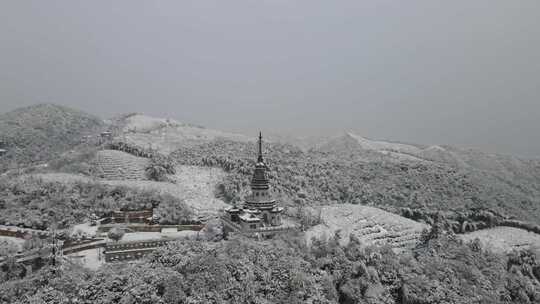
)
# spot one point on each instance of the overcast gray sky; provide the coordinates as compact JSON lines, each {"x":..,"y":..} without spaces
{"x":461,"y":72}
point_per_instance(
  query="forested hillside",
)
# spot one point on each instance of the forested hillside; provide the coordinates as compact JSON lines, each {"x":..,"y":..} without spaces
{"x":33,"y":203}
{"x":442,"y":186}
{"x":467,"y":186}
{"x":415,"y":189}
{"x":40,"y":133}
{"x":441,"y":269}
{"x":510,"y":168}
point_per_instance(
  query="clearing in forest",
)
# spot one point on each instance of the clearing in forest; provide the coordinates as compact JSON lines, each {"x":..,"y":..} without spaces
{"x":118,"y":165}
{"x":504,"y":239}
{"x":195,"y":185}
{"x":372,"y":226}
{"x":167,"y":135}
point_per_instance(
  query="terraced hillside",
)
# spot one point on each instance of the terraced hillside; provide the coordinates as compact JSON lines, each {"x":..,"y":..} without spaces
{"x":195,"y":186}
{"x":42,"y":132}
{"x":117,"y":165}
{"x":372,"y":226}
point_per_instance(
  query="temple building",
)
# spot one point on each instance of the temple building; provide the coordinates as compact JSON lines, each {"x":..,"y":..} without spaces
{"x":260,"y":212}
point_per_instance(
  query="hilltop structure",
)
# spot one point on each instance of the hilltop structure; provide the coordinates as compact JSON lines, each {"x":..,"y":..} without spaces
{"x":260,"y":212}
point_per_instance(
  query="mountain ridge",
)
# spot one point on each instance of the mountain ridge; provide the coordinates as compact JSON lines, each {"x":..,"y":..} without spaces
{"x":350,"y":169}
{"x":506,"y":165}
{"x":40,"y":132}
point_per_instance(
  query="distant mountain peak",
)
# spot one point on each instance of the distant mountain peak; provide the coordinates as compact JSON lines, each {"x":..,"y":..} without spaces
{"x":42,"y":131}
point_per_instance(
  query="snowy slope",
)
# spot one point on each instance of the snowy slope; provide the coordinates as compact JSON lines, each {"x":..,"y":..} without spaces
{"x":504,"y":239}
{"x":195,"y":185}
{"x":509,"y":167}
{"x":120,"y":165}
{"x":143,"y":123}
{"x":167,"y":135}
{"x":370,"y":225}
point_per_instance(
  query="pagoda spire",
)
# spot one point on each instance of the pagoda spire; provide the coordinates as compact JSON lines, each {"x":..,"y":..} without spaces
{"x":259,"y":181}
{"x":260,"y":157}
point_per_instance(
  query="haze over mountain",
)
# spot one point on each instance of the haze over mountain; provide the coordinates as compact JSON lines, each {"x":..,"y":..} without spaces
{"x":44,"y":128}
{"x":508,"y":166}
{"x":399,"y":161}
{"x":460,"y":72}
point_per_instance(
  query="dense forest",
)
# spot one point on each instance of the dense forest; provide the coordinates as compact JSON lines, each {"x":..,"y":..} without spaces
{"x":33,"y":203}
{"x":441,"y":269}
{"x":40,"y":133}
{"x":315,"y":177}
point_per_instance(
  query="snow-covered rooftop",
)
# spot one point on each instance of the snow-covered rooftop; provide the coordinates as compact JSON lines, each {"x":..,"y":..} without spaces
{"x":249,"y":218}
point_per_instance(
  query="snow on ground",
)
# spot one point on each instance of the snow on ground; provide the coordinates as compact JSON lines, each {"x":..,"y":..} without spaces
{"x":143,"y":123}
{"x":193,"y":184}
{"x":167,"y":135}
{"x":415,"y":153}
{"x":121,"y":165}
{"x":146,"y":236}
{"x":407,"y":152}
{"x":371,"y":225}
{"x":94,"y":258}
{"x":62,"y":177}
{"x":91,"y":258}
{"x":86,"y":229}
{"x":13,"y":240}
{"x":402,"y":157}
{"x":369,"y":144}
{"x":504,"y":239}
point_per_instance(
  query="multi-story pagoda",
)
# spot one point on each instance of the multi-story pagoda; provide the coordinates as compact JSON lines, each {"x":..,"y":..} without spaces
{"x":260,"y":212}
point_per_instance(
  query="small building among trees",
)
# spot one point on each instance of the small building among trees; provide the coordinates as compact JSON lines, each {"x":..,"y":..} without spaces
{"x":128,"y":216}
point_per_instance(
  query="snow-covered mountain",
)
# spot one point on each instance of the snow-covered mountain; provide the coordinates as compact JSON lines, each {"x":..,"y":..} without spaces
{"x":167,"y":135}
{"x":505,"y":166}
{"x":41,"y":132}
